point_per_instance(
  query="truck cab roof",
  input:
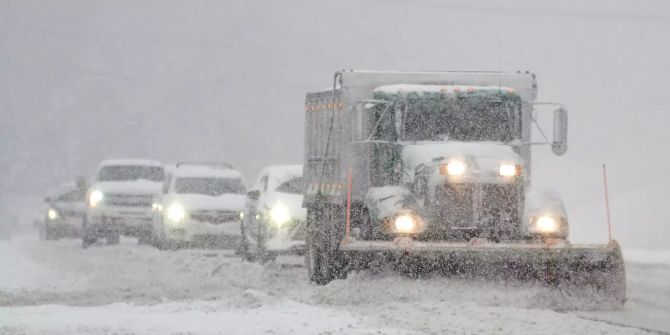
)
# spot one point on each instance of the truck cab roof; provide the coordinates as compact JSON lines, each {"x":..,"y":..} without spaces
{"x":442,"y":89}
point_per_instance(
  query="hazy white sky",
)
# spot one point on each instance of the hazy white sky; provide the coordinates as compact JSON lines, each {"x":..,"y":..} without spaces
{"x":81,"y":80}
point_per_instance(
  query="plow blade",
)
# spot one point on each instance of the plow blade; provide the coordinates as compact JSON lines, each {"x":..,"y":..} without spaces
{"x":596,"y":267}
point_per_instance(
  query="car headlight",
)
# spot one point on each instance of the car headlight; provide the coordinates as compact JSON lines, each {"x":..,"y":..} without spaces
{"x":176,"y":213}
{"x":508,"y":170}
{"x":279,"y":214}
{"x":546,"y":224}
{"x":94,"y":198}
{"x":156,"y":206}
{"x":453,"y":168}
{"x":52,"y":214}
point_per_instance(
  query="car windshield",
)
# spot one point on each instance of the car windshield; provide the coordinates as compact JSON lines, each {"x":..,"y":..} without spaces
{"x":209,"y":186}
{"x":72,"y":196}
{"x":293,"y":186}
{"x":131,"y":172}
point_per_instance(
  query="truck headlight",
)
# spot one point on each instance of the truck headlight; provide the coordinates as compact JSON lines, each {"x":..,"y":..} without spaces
{"x":509,"y":170}
{"x":94,"y":198}
{"x":546,"y":224}
{"x":156,"y":206}
{"x":52,"y":214}
{"x":279,"y":214}
{"x":405,"y":224}
{"x":453,"y":168}
{"x":176,"y":212}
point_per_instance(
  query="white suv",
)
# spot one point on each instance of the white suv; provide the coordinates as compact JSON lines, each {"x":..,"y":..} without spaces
{"x":123,"y":200}
{"x":201,"y":206}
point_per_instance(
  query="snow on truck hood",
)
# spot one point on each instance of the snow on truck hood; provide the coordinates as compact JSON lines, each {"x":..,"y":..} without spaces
{"x":140,"y":186}
{"x":224,"y":202}
{"x":487,"y":155}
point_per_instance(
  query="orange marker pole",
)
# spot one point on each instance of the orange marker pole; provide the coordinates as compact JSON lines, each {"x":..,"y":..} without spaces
{"x":348,"y":226}
{"x":607,"y":204}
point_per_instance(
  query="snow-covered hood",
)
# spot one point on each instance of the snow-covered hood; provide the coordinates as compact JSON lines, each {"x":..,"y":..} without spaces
{"x":135,"y":187}
{"x":543,"y":202}
{"x":224,"y":202}
{"x":292,"y":202}
{"x":481,"y":158}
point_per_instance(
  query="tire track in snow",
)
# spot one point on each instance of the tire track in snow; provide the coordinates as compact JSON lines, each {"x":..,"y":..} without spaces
{"x":619,"y":324}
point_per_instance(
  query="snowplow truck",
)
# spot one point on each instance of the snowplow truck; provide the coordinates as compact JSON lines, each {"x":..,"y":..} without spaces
{"x":433,"y":169}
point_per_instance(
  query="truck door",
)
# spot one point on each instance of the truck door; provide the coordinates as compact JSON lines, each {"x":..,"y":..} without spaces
{"x":384,"y":150}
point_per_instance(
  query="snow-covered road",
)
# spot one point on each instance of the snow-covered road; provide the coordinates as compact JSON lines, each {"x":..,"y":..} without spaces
{"x":58,"y":288}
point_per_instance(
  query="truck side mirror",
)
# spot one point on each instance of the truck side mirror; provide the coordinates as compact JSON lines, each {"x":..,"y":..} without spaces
{"x":560,"y":143}
{"x":254,"y":195}
{"x":166,"y":186}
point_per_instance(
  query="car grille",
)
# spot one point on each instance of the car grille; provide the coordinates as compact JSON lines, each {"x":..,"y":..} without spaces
{"x":128,"y":200}
{"x":72,"y":214}
{"x":215,"y":217}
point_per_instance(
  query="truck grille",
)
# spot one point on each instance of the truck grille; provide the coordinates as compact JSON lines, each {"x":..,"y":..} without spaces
{"x":473,"y":208}
{"x":127,"y":200}
{"x":215,"y":217}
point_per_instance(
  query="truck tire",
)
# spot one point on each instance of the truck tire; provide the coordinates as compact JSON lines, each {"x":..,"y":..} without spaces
{"x":323,"y":261}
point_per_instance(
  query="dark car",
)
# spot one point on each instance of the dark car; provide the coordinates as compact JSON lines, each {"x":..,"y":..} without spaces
{"x":64,"y":215}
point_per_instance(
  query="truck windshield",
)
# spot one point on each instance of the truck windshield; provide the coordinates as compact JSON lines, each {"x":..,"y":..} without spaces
{"x":467,"y":119}
{"x":209,"y":186}
{"x":131,"y":172}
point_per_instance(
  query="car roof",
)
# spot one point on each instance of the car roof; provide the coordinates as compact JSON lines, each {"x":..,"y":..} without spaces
{"x":130,"y":162}
{"x":278,"y":174}
{"x":194,"y":171}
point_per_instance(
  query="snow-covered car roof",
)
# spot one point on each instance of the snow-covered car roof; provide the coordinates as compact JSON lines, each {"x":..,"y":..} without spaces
{"x":283,"y":172}
{"x":205,"y":171}
{"x":278,"y":174}
{"x":442,"y":89}
{"x":130,"y":162}
{"x":61,"y":189}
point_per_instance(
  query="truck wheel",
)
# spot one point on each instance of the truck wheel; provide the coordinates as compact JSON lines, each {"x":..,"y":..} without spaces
{"x":322,"y":259}
{"x":317,"y":265}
